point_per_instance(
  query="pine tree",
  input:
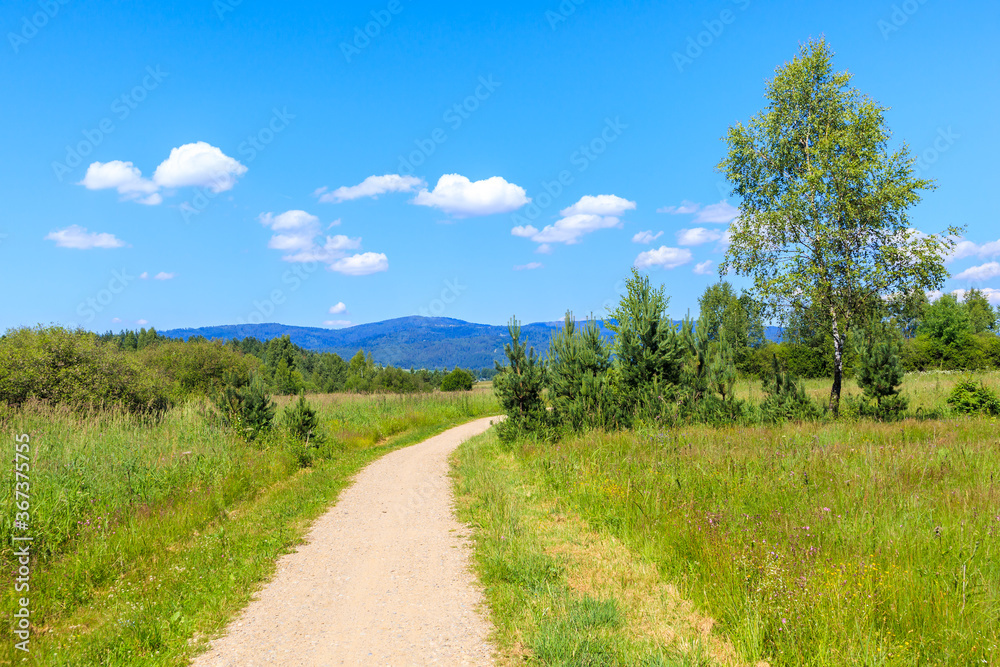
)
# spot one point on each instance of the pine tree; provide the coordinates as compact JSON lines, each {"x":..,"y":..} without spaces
{"x":879,"y":371}
{"x":578,"y":363}
{"x":518,"y":386}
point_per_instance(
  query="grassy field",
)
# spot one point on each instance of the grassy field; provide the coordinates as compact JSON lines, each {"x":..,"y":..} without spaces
{"x":149,"y":536}
{"x":827,"y":543}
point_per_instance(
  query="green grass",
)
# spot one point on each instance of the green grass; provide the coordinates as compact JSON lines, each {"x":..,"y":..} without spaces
{"x":558,"y":593}
{"x":813,"y":544}
{"x":150,"y":536}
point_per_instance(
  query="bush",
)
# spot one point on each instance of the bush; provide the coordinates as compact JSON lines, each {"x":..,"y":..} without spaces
{"x":74,"y":368}
{"x":786,"y":398}
{"x":879,"y":371}
{"x":246,"y":407}
{"x":968,"y":397}
{"x":458,"y":380}
{"x":198,"y":367}
{"x":303,"y":424}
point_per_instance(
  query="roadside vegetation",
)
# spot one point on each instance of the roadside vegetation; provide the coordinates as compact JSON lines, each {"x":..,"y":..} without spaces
{"x":848,"y":519}
{"x":159,"y":505}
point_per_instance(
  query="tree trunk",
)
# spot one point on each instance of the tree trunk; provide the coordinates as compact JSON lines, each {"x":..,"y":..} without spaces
{"x":838,"y":366}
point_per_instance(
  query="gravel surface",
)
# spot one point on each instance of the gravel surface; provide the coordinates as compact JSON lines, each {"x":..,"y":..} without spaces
{"x":384,"y":577}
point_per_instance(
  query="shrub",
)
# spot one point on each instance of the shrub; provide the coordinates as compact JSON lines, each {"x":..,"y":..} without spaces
{"x":518,"y":386}
{"x":303,"y":424}
{"x":577,"y":378}
{"x":879,"y":371}
{"x":458,"y":380}
{"x":73,"y":368}
{"x":968,"y":397}
{"x":198,"y":367}
{"x":786,"y":398}
{"x":246,"y":407}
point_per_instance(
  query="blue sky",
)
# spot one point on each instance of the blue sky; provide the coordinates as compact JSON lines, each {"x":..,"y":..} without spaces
{"x":198,"y":163}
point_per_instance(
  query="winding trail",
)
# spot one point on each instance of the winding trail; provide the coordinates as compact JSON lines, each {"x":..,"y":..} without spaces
{"x":384,"y":577}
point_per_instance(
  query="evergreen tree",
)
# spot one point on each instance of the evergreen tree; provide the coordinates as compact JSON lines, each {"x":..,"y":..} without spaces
{"x":879,"y":371}
{"x":518,"y":386}
{"x":577,"y":377}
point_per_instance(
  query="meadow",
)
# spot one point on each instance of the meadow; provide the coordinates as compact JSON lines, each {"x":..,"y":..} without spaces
{"x":149,"y":534}
{"x":815,"y":543}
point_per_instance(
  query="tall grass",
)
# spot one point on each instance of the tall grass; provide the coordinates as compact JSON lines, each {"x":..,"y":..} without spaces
{"x":150,"y":533}
{"x":819,"y":544}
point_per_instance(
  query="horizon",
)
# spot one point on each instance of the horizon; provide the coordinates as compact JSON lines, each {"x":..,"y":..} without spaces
{"x":331,"y":167}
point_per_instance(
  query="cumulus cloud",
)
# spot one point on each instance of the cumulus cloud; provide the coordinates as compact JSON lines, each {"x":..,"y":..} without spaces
{"x":362,"y":264}
{"x":198,"y":164}
{"x":544,"y":249}
{"x":459,"y":197}
{"x":338,"y":309}
{"x":373,"y":186}
{"x":980,"y":273}
{"x":965,"y":248}
{"x":79,"y":238}
{"x":144,"y":275}
{"x":663,"y":257}
{"x":588,"y":215}
{"x":599,"y":205}
{"x":163,"y":275}
{"x":703,"y":268}
{"x":123,"y":177}
{"x":722,"y":212}
{"x":528,"y":267}
{"x":299,"y":235}
{"x":142,"y":322}
{"x":698,"y":236}
{"x":337,"y":324}
{"x":646,"y":237}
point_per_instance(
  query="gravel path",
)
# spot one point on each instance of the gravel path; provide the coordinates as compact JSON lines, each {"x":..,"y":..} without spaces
{"x":384,"y":577}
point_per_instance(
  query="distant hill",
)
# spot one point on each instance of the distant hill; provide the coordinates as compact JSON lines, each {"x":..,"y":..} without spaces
{"x":420,"y":342}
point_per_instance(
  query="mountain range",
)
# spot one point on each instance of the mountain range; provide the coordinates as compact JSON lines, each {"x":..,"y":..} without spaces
{"x":415,"y":341}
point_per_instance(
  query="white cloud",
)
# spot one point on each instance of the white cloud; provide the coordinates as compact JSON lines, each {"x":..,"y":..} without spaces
{"x":599,"y":205}
{"x":585,"y":216}
{"x":125,"y":178}
{"x":338,"y":309}
{"x":663,"y":257}
{"x":646,"y":237}
{"x":142,"y":323}
{"x":723,"y":212}
{"x":362,"y":264}
{"x":337,"y":324}
{"x":698,"y":236}
{"x":703,"y":268}
{"x":528,"y":267}
{"x":373,"y":186}
{"x":980,"y":273}
{"x":965,"y":248}
{"x":144,"y":275}
{"x":544,"y":249}
{"x":458,"y":196}
{"x":200,"y":165}
{"x":524,"y":231}
{"x":79,"y":238}
{"x":685,"y":208}
{"x":163,"y":275}
{"x":298,"y":237}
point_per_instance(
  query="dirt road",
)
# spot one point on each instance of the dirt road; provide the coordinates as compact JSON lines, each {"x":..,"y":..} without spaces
{"x":383,"y":579}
